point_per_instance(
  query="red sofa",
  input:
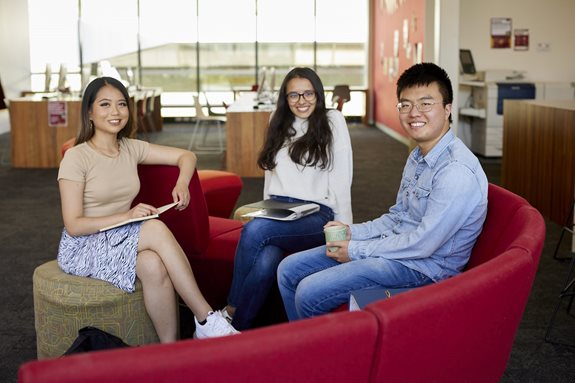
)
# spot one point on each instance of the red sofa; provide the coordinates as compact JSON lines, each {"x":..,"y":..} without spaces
{"x":461,"y":329}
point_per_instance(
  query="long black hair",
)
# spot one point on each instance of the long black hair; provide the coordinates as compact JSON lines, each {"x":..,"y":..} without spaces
{"x":313,"y":148}
{"x":89,"y":96}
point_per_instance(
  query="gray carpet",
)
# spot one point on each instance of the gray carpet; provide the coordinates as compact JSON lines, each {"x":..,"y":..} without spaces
{"x":31,"y":224}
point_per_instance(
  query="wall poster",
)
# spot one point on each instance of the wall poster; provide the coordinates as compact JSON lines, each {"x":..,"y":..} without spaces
{"x":521,"y":39}
{"x":500,"y":32}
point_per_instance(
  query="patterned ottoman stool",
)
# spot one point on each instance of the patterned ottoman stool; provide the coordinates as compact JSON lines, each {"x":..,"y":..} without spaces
{"x":65,"y":303}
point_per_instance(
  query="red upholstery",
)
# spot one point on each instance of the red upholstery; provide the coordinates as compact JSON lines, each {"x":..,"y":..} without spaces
{"x":507,"y":224}
{"x":221,"y":190}
{"x":209,"y":242}
{"x":461,"y":329}
{"x":334,"y":348}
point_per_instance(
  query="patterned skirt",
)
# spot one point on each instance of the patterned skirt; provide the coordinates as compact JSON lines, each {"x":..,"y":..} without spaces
{"x":109,"y":255}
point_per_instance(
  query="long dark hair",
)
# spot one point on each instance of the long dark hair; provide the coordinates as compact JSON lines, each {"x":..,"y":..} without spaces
{"x":87,"y":129}
{"x":313,"y":148}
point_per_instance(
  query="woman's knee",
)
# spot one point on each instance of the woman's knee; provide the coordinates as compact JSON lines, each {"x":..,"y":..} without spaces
{"x":256,"y":231}
{"x":267,"y":262}
{"x":154,"y":232}
{"x":149,"y":266}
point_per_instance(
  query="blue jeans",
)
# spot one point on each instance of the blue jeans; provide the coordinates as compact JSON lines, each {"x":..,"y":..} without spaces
{"x":262,"y":246}
{"x":312,"y":284}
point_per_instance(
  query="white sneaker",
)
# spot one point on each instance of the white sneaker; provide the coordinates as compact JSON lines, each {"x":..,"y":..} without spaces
{"x":215,"y":326}
{"x":224,"y":313}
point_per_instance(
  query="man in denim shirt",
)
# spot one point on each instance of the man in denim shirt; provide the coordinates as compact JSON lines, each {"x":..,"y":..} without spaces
{"x":427,"y":235}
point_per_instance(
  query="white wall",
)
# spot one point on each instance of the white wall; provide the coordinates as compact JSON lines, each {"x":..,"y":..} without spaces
{"x":445,"y":27}
{"x":550,"y":22}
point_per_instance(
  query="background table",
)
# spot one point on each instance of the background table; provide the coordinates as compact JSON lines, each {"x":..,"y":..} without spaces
{"x":245,"y":132}
{"x":36,"y":144}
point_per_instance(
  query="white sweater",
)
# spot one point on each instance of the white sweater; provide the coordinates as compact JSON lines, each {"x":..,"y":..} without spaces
{"x":330,"y":186}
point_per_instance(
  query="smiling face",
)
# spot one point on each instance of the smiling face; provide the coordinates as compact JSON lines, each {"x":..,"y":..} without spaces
{"x":110,"y":111}
{"x":425,"y":128}
{"x":304,"y":105}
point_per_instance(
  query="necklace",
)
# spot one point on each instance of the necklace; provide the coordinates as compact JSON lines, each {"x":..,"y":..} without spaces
{"x":104,"y":151}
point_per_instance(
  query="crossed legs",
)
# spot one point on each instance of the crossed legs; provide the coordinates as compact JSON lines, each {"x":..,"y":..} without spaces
{"x":162,"y":266}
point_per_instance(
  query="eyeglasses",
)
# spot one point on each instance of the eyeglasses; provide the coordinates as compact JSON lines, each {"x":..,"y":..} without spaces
{"x":293,"y":97}
{"x":406,"y":107}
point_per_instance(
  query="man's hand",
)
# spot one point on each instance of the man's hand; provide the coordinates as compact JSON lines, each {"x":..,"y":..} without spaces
{"x":340,"y":255}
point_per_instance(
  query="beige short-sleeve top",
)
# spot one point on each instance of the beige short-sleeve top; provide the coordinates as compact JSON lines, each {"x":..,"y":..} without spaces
{"x":110,"y":183}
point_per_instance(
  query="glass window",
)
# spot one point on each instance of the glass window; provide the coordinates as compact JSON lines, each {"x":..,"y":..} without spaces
{"x":109,"y":31}
{"x":168,"y":36}
{"x":285,"y":35}
{"x":227,"y":31}
{"x":109,"y":37}
{"x":53,"y":41}
{"x":190,"y":46}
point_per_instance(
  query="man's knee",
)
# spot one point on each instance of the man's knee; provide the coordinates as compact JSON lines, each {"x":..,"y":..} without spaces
{"x":284,"y":274}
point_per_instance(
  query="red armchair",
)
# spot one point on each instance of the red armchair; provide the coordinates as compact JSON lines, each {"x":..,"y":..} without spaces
{"x":460,"y":329}
{"x":209,"y":242}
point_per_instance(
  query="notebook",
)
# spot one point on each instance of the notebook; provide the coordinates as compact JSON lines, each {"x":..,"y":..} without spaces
{"x":281,"y":211}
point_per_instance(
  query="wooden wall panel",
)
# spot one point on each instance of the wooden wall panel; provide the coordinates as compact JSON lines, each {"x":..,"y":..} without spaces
{"x":539,"y":154}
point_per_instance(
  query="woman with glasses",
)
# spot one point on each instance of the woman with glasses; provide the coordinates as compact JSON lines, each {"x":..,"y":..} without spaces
{"x":307,"y":157}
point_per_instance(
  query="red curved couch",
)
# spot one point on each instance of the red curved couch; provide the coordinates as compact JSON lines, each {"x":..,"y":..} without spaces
{"x":460,"y":329}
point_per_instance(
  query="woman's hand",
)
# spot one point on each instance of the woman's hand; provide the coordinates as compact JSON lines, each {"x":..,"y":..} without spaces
{"x":141,"y":210}
{"x":181,"y":194}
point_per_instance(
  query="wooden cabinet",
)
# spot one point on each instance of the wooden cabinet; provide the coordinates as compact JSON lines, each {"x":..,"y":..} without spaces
{"x":539,"y":154}
{"x":245,"y":133}
{"x":35,"y":143}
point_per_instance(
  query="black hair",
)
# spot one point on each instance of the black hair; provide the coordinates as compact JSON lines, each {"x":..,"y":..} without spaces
{"x":313,"y":148}
{"x":424,"y":74}
{"x":89,"y":96}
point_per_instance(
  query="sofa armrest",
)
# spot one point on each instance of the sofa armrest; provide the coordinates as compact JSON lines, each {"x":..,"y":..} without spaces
{"x":460,"y":329}
{"x":221,"y":190}
{"x":331,"y":348}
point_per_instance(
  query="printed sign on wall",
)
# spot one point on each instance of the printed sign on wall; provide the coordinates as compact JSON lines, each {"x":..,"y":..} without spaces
{"x":57,"y":113}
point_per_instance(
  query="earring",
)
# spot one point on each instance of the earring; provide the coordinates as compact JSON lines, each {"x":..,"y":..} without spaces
{"x":91,"y":124}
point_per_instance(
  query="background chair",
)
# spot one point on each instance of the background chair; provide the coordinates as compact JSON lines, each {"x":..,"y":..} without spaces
{"x":206,"y":121}
{"x":568,"y":290}
{"x":211,"y":111}
{"x":567,"y":227}
{"x":341,"y":94}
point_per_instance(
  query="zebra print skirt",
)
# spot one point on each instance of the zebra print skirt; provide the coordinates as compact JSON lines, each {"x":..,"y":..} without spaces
{"x":109,"y":255}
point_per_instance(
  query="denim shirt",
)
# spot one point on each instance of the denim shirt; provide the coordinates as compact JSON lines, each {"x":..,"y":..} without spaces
{"x":439,"y":212}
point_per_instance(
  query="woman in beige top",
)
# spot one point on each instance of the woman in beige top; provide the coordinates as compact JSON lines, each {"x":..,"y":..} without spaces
{"x":98,"y":181}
